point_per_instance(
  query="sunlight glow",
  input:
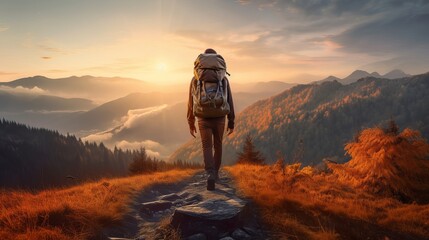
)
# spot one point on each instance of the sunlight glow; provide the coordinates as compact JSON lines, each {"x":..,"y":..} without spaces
{"x":161,"y":66}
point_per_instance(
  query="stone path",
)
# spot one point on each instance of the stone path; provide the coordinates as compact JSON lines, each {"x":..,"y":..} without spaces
{"x":198,"y":214}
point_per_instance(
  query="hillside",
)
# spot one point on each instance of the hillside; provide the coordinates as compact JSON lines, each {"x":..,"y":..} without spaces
{"x":13,"y":103}
{"x":39,"y":158}
{"x":318,"y":119}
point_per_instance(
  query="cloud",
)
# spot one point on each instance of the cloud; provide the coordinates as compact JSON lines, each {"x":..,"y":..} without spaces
{"x":250,"y":44}
{"x":48,"y":47}
{"x":19,"y":89}
{"x":3,"y":28}
{"x":135,"y":115}
{"x":152,"y":148}
{"x":7,"y":73}
{"x":399,"y":34}
{"x":243,"y":2}
{"x":415,"y":63}
{"x":57,"y":71}
{"x":46,"y":58}
{"x":98,"y":137}
{"x":130,"y":120}
{"x":335,"y":8}
{"x":355,"y":31}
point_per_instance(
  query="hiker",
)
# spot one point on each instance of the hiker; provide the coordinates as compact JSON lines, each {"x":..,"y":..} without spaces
{"x":210,"y":100}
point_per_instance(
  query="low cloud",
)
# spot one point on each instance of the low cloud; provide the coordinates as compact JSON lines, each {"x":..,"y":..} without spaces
{"x":46,"y":58}
{"x":135,"y":115}
{"x":22,"y":90}
{"x":152,"y":148}
{"x":98,"y":137}
{"x":132,"y":119}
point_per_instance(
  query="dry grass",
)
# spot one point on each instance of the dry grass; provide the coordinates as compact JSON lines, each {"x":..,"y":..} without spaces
{"x":75,"y":213}
{"x":306,"y":204}
{"x":167,"y":231}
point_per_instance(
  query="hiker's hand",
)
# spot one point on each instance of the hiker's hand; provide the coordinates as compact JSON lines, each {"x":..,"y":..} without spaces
{"x":193,"y":131}
{"x":229,"y":131}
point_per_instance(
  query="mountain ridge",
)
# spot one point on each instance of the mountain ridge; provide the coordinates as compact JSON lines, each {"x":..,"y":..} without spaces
{"x":358,"y":74}
{"x":312,"y":112}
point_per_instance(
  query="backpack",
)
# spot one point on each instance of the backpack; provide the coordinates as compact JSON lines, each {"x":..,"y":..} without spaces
{"x":210,"y":92}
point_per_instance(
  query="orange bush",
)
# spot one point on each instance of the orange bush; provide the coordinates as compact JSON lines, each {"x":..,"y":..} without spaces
{"x":74,"y":213}
{"x":388,"y":163}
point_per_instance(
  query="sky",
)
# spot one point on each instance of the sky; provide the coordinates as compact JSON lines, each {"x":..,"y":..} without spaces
{"x":157,"y":41}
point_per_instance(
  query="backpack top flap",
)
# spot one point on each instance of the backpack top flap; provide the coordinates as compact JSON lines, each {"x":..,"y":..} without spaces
{"x":209,"y":61}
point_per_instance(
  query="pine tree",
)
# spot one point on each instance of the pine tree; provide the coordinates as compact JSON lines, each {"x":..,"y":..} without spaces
{"x":249,"y":154}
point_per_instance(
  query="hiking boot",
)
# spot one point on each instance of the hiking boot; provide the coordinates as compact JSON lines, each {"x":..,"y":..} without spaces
{"x":210,"y":184}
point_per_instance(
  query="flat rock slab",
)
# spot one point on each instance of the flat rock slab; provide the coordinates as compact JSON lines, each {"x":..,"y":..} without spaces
{"x":217,"y":211}
{"x":155,"y":206}
{"x":213,"y":209}
{"x":170,"y":197}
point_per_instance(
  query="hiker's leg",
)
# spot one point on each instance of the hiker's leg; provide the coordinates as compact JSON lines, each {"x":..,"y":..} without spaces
{"x":206,"y":133}
{"x":218,"y":130}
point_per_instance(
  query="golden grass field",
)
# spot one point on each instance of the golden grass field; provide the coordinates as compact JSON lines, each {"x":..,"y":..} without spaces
{"x":382,"y":191}
{"x":78,"y":212}
{"x":300,"y":204}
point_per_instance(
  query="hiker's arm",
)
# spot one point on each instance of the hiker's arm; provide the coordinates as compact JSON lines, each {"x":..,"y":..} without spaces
{"x":190,"y":115}
{"x":231,"y":114}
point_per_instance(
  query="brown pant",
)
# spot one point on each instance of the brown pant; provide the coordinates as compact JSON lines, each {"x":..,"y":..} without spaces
{"x":211,"y":130}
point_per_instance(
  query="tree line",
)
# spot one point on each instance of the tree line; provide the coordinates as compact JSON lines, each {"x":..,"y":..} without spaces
{"x":36,"y":158}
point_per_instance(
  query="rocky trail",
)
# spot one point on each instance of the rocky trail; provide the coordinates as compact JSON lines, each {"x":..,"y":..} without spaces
{"x":198,"y":214}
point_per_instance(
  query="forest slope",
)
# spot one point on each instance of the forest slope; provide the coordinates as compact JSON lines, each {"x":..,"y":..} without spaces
{"x":317,"y":119}
{"x":41,"y":158}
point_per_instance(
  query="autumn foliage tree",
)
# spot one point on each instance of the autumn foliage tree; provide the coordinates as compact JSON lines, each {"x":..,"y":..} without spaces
{"x":388,"y":162}
{"x":249,"y":154}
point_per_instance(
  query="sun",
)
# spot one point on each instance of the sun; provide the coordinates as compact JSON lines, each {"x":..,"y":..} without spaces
{"x":161,"y":66}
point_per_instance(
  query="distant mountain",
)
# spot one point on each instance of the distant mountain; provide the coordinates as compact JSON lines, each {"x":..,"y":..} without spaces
{"x":14,"y":102}
{"x":272,"y":87}
{"x":94,"y":88}
{"x":330,"y":79}
{"x":354,"y":76}
{"x":318,"y":119}
{"x":376,"y":74}
{"x":358,"y":74}
{"x":396,"y":74}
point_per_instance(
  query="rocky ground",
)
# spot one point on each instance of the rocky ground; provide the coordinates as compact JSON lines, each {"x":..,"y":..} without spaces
{"x":196,"y":213}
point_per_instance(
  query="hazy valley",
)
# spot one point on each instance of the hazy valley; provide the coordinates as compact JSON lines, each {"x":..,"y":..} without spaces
{"x":133,"y":115}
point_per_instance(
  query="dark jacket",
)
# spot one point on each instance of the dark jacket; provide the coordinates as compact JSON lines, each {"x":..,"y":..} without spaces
{"x":191,"y":117}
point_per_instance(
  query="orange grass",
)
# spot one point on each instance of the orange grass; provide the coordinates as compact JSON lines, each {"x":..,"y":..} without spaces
{"x":305,"y":204}
{"x":79,"y":212}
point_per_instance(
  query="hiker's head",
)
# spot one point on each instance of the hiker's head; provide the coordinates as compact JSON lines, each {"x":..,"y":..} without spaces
{"x":210,"y":50}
